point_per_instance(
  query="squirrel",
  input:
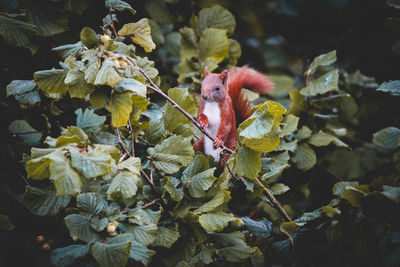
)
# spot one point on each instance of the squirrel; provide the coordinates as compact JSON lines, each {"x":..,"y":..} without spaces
{"x":222,"y":103}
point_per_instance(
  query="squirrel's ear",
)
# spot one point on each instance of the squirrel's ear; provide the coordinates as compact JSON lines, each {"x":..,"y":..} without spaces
{"x":224,"y":76}
{"x":205,"y":71}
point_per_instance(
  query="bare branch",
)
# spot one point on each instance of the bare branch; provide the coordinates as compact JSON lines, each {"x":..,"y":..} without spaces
{"x":132,"y":138}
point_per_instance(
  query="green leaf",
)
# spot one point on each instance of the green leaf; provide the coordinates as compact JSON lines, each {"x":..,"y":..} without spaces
{"x":38,"y":168}
{"x":49,"y":20}
{"x":65,"y":178}
{"x":247,"y":162}
{"x":44,"y":201}
{"x":121,"y":107}
{"x":339,"y":187}
{"x":321,"y":60}
{"x":298,"y":102}
{"x":99,"y":98}
{"x":204,"y":256}
{"x":217,"y":221}
{"x":303,"y":133}
{"x":230,"y":239}
{"x":290,"y":125}
{"x":120,"y":6}
{"x":93,"y":64}
{"x":79,"y":226}
{"x":282,"y":84}
{"x":123,"y":186}
{"x":158,"y":11}
{"x":200,"y":183}
{"x":113,"y":253}
{"x":89,"y":38}
{"x":392,"y":193}
{"x":353,"y":195}
{"x":220,"y":198}
{"x":52,"y":82}
{"x":91,"y":203}
{"x":391,"y":87}
{"x":73,"y":135}
{"x":88,"y":120}
{"x":235,"y":51}
{"x":261,"y":228}
{"x":131,"y":85}
{"x":172,"y":154}
{"x":290,"y":228}
{"x":144,"y":234}
{"x":388,"y":138}
{"x":132,"y":164}
{"x":260,"y":131}
{"x":66,"y":256}
{"x":330,"y":212}
{"x":323,"y":139}
{"x":24,"y":91}
{"x":77,"y":85}
{"x":213,"y":44}
{"x":70,"y":49}
{"x":140,"y":33}
{"x":107,"y":75}
{"x":304,"y":157}
{"x":140,"y":253}
{"x":169,"y":185}
{"x":91,"y":164}
{"x":5,"y":223}
{"x":323,"y":84}
{"x":25,"y":132}
{"x":166,"y":237}
{"x":279,"y":189}
{"x":236,"y":253}
{"x":216,"y":17}
{"x":172,"y":116}
{"x":17,"y":32}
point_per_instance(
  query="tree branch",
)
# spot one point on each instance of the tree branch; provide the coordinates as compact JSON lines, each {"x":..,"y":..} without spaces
{"x":151,"y":203}
{"x":120,"y":142}
{"x":132,"y":138}
{"x":112,"y":24}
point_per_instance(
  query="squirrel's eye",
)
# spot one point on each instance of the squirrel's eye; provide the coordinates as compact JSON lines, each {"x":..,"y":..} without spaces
{"x":217,"y":88}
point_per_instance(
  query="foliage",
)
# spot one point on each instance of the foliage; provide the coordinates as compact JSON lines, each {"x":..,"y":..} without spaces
{"x":122,"y":177}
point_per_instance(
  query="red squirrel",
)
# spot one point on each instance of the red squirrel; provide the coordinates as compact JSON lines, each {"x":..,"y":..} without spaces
{"x":222,"y":102}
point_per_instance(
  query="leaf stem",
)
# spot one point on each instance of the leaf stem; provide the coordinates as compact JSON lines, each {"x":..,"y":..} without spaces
{"x":132,"y":138}
{"x":112,"y":24}
{"x":120,"y":142}
{"x":151,"y":203}
{"x":23,"y":178}
{"x":274,"y":201}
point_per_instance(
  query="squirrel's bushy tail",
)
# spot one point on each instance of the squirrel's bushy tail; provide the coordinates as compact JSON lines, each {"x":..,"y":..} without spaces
{"x":248,"y":78}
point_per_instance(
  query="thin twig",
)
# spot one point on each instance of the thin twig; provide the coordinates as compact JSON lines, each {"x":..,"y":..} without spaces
{"x":154,"y":201}
{"x":175,"y":105}
{"x":274,"y":201}
{"x":23,"y":178}
{"x":120,"y":141}
{"x":151,"y":172}
{"x":333,"y":175}
{"x":122,"y":158}
{"x":132,"y":138}
{"x":184,"y":184}
{"x":112,"y":24}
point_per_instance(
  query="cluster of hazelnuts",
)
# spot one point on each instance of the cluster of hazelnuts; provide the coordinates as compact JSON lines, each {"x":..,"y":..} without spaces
{"x":45,"y":243}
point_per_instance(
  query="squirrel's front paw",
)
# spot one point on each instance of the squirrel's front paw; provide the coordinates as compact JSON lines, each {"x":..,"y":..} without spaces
{"x":203,"y":124}
{"x":217,"y":142}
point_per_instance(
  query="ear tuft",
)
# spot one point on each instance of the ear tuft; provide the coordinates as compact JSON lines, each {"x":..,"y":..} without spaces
{"x":205,"y":71}
{"x":224,"y":76}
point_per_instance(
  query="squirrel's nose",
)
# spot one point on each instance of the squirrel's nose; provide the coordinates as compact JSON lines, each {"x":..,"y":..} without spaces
{"x":204,"y":97}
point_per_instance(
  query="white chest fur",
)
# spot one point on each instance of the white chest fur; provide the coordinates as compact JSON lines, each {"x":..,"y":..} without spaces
{"x":212,"y":111}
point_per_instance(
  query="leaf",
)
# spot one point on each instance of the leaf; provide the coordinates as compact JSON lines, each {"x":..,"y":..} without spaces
{"x":131,"y":85}
{"x":140,"y":33}
{"x":290,"y":228}
{"x":38,"y":168}
{"x":298,"y":102}
{"x":17,"y":32}
{"x":132,"y":164}
{"x":99,"y":98}
{"x":392,"y":193}
{"x":89,"y":38}
{"x":79,"y":226}
{"x":247,"y":162}
{"x":91,"y":164}
{"x":69,"y":49}
{"x":279,"y":189}
{"x":282,"y":84}
{"x":172,"y":116}
{"x":236,"y":253}
{"x":169,"y":185}
{"x":108,"y":75}
{"x":123,"y":186}
{"x":391,"y":87}
{"x":24,"y":91}
{"x":323,"y":139}
{"x":387,"y":138}
{"x":303,"y":133}
{"x":65,"y":178}
{"x":158,"y":11}
{"x":121,"y":107}
{"x":166,"y":237}
{"x":68,"y":255}
{"x":44,"y":201}
{"x":25,"y":132}
{"x":213,"y":44}
{"x":290,"y":125}
{"x":220,"y":198}
{"x":140,"y":253}
{"x":259,"y":228}
{"x":304,"y":157}
{"x":93,"y":64}
{"x":200,"y":182}
{"x":204,"y":256}
{"x":323,"y":84}
{"x":143,"y":234}
{"x":77,"y":85}
{"x":260,"y":131}
{"x":91,"y":203}
{"x":172,"y":154}
{"x":321,"y":60}
{"x":120,"y":6}
{"x":230,"y":239}
{"x":49,"y":20}
{"x":339,"y":187}
{"x":113,"y":253}
{"x":73,"y":135}
{"x":52,"y":82}
{"x":353,"y":195}
{"x":217,"y":221}
{"x":88,"y":120}
{"x":216,"y":17}
{"x":5,"y":223}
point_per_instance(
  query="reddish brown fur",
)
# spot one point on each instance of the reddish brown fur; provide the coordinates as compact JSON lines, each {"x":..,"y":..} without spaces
{"x":231,"y":102}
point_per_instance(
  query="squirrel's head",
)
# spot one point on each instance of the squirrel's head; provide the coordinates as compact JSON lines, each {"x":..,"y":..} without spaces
{"x":214,"y":87}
